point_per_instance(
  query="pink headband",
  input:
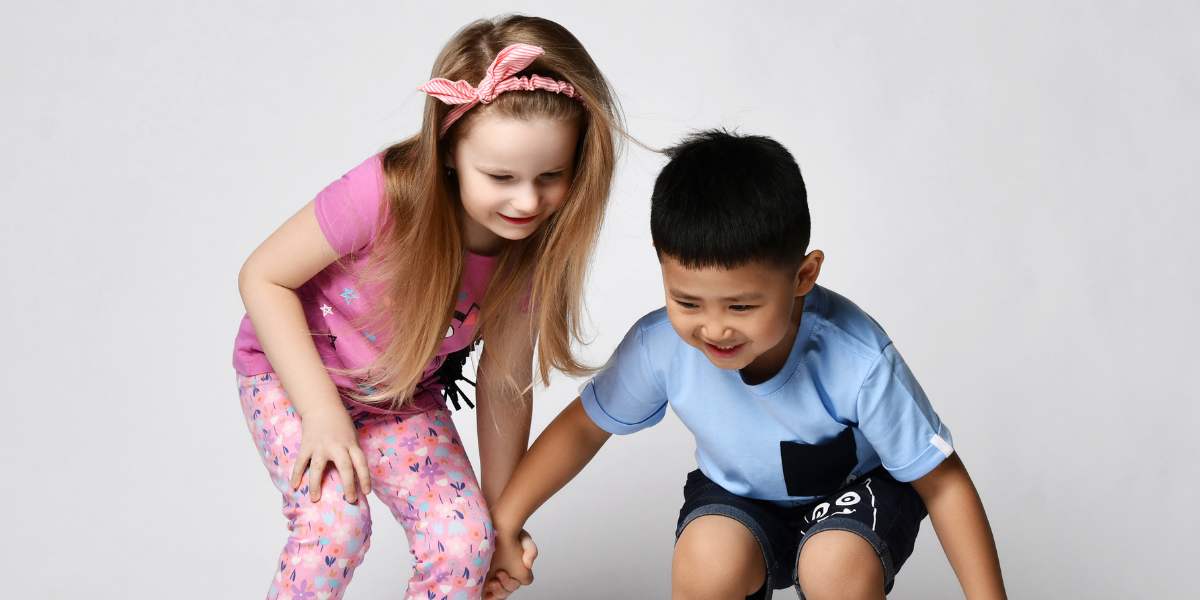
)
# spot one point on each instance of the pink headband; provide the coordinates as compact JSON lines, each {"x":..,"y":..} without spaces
{"x":499,"y":79}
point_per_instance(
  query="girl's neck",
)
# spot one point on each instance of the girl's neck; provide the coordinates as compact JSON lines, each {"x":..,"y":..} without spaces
{"x":479,"y":239}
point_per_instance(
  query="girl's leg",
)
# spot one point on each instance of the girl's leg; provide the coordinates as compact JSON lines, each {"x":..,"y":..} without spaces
{"x":328,"y":538}
{"x":420,"y":470}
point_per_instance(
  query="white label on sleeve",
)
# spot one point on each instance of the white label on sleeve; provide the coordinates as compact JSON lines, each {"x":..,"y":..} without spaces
{"x":941,"y":444}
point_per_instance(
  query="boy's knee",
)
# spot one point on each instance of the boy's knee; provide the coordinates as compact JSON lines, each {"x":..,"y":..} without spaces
{"x":839,"y":564}
{"x":716,"y":556}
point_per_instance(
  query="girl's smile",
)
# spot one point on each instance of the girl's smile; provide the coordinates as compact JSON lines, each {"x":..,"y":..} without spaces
{"x":518,"y":221}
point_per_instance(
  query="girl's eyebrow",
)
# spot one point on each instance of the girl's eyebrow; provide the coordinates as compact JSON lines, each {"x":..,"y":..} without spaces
{"x":492,"y":168}
{"x":487,"y":168}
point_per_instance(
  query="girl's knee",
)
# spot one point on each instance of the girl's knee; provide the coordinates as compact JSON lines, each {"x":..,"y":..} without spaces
{"x":340,"y":529}
{"x":453,"y":550}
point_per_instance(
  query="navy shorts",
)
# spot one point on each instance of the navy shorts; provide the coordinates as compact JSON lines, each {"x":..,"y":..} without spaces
{"x":885,"y":512}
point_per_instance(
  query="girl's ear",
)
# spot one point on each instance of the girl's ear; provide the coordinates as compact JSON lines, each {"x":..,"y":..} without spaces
{"x":448,"y":160}
{"x":810,"y":268}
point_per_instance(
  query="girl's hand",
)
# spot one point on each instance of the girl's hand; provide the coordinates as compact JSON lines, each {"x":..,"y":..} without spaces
{"x":499,"y":584}
{"x":328,"y":436}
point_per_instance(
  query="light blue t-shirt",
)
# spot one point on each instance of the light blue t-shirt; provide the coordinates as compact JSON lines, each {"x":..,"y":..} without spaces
{"x":763,"y":441}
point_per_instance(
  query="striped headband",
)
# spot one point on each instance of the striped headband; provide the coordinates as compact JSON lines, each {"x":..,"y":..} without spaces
{"x":499,"y":79}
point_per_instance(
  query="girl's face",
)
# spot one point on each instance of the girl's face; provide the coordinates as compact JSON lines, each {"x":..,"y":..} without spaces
{"x":512,"y":175}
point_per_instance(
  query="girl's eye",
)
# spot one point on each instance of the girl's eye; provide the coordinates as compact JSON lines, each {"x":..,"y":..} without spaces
{"x":554,"y":175}
{"x":499,"y":177}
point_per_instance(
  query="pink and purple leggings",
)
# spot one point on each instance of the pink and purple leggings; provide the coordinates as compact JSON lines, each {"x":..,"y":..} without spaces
{"x":418,"y":469}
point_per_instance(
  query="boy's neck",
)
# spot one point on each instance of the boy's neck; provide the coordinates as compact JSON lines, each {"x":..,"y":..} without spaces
{"x":769,"y":363}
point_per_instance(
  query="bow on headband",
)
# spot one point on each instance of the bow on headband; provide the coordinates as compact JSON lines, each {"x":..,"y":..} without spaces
{"x":499,"y":79}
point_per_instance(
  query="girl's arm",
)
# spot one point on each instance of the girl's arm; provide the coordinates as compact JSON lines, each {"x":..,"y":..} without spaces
{"x":503,"y":419}
{"x":559,"y":454}
{"x":962,"y":528}
{"x":291,"y":256}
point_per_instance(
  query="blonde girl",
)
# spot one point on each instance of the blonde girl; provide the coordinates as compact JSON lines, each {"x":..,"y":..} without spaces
{"x":363,"y":305}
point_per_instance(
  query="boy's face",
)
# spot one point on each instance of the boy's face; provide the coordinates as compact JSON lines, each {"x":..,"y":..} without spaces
{"x":743,"y":318}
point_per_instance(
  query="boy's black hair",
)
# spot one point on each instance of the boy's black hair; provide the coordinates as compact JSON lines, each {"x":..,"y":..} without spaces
{"x":725,"y":200}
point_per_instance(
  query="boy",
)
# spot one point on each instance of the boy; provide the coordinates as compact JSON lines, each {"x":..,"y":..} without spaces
{"x":818,"y":452}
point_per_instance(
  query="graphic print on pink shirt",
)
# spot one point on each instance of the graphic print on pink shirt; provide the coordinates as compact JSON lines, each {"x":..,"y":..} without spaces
{"x":338,"y":303}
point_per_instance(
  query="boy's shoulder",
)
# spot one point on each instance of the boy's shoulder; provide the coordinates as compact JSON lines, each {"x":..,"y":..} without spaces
{"x":654,"y":327}
{"x":836,"y":319}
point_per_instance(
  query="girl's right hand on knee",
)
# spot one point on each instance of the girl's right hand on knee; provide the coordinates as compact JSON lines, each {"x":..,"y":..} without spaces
{"x":328,"y":436}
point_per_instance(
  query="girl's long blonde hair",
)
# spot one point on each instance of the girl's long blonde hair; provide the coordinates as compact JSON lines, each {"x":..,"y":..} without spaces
{"x":419,"y":254}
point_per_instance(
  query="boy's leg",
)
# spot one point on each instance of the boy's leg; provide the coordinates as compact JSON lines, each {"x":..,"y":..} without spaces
{"x":327,"y":538}
{"x":421,"y":471}
{"x":716,"y":557}
{"x":726,"y":545}
{"x":839,"y":564}
{"x":855,"y":541}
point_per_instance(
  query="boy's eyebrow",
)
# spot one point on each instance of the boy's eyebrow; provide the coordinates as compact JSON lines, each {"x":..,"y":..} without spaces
{"x":739,"y":298}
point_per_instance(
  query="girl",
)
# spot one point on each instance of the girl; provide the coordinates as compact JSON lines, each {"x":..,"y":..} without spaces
{"x":362,"y":306}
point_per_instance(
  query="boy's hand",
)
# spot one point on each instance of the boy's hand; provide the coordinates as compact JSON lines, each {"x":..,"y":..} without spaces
{"x":328,"y":436}
{"x":512,"y":565}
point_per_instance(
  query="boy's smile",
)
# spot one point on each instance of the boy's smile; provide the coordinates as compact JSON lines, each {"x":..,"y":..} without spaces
{"x":744,"y":318}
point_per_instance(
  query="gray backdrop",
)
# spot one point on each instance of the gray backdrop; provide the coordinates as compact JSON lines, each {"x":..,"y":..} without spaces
{"x":1008,"y":189}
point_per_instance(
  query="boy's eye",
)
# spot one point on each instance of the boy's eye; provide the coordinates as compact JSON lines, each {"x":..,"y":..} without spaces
{"x":499,"y":177}
{"x":687,"y":305}
{"x":740,"y":307}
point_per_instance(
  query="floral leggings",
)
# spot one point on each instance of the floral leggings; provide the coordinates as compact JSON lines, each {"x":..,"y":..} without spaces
{"x":418,"y":469}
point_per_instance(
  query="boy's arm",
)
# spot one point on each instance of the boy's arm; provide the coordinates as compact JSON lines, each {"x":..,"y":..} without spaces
{"x":558,"y":455}
{"x":962,"y":528}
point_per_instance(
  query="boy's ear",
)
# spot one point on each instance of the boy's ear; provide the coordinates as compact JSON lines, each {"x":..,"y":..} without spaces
{"x":810,"y":268}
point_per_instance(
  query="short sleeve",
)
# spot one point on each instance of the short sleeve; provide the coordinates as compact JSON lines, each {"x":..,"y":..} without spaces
{"x":348,"y":209}
{"x":897,"y":419}
{"x":626,"y":395}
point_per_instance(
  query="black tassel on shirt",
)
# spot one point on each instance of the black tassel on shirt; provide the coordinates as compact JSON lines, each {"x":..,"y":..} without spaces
{"x":451,"y":372}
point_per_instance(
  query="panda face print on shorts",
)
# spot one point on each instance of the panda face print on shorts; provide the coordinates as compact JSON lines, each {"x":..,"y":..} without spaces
{"x":847,"y":502}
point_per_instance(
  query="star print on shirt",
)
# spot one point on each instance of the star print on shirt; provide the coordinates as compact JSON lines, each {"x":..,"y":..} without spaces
{"x":325,"y":310}
{"x":348,"y":295}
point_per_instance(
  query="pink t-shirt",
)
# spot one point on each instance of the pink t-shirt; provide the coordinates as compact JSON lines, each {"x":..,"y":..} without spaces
{"x":337,"y":303}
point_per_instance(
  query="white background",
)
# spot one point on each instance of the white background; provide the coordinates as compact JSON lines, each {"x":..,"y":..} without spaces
{"x":1009,"y":189}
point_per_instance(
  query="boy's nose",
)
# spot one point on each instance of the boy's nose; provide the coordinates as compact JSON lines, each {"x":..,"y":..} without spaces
{"x":716,"y":332}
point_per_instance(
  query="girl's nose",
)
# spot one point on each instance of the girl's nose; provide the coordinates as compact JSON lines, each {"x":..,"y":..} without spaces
{"x":526,"y":200}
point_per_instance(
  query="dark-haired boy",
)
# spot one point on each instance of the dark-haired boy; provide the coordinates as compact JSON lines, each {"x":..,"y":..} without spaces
{"x":818,"y":452}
